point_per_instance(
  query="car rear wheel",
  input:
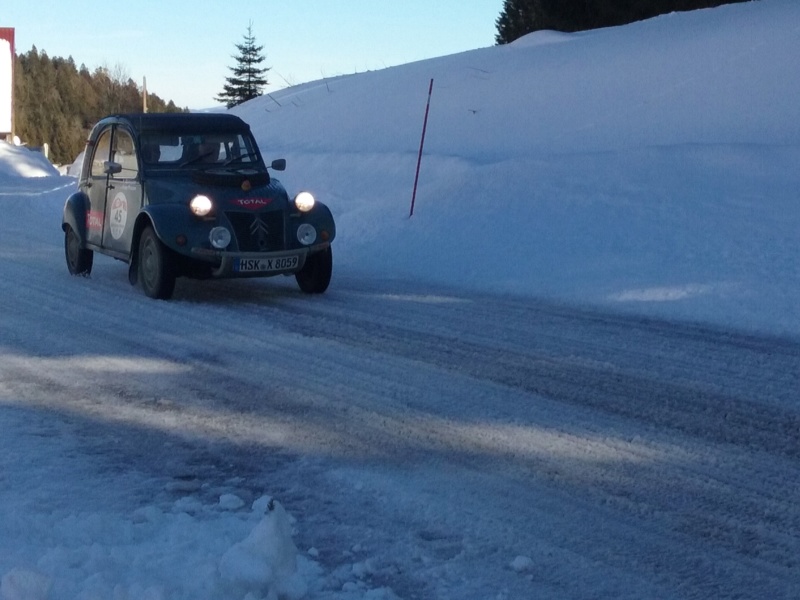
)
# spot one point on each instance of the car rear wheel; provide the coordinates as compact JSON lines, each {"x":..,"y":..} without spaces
{"x":79,"y":260}
{"x":315,"y":275}
{"x":156,"y":267}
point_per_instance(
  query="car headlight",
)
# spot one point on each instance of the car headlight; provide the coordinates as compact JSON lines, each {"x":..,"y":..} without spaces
{"x":201,"y":205}
{"x":306,"y":234}
{"x":219,"y":237}
{"x":304,"y":201}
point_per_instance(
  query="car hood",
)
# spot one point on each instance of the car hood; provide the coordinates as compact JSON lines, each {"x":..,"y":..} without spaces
{"x":240,"y":189}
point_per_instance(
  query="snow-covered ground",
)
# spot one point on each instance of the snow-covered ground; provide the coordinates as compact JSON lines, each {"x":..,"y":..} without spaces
{"x":572,"y":373}
{"x":650,"y":167}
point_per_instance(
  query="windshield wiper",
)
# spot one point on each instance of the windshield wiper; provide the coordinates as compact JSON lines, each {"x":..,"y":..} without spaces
{"x":199,"y":157}
{"x":239,"y":158}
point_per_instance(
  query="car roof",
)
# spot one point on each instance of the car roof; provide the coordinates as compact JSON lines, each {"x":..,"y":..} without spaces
{"x":180,"y":122}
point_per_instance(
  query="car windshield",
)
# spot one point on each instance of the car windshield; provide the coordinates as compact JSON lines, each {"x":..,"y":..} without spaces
{"x":197,"y":150}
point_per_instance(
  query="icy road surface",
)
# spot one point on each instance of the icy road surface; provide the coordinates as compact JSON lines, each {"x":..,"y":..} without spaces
{"x":454,"y":445}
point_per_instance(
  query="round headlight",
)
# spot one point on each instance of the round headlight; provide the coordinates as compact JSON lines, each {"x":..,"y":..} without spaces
{"x":201,"y":205}
{"x":219,"y":238}
{"x":304,"y":201}
{"x":306,"y":234}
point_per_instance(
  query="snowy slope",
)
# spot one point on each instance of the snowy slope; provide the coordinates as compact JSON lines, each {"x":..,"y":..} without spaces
{"x":650,"y":167}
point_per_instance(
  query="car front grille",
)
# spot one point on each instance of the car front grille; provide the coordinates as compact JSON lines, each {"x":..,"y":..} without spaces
{"x":258,"y":231}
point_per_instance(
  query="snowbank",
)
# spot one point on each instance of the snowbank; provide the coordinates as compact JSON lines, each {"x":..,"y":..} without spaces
{"x":20,"y":161}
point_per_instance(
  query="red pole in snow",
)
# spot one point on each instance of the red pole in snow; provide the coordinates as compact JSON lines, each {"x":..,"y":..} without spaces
{"x":421,"y":144}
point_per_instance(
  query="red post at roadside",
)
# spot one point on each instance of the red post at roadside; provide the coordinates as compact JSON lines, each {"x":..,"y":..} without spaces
{"x":421,"y":145}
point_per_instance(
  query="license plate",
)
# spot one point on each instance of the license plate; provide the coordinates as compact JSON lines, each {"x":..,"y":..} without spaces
{"x":264,"y":265}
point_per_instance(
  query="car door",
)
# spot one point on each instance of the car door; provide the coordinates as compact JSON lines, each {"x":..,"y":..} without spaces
{"x":97,"y":187}
{"x":123,"y":194}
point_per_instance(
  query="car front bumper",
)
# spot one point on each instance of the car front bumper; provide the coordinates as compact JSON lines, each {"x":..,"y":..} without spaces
{"x":256,"y":264}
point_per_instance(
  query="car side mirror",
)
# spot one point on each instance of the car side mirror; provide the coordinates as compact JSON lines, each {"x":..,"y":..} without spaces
{"x":279,"y":164}
{"x":111,"y":168}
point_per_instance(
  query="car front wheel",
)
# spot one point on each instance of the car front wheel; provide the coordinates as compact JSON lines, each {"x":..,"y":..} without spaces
{"x":315,"y":275}
{"x":79,"y":260}
{"x":156,"y":267}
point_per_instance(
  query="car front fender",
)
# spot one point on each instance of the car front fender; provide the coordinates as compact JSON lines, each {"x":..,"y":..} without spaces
{"x":166,"y":221}
{"x":75,"y":209}
{"x":170,"y":221}
{"x":322,"y":218}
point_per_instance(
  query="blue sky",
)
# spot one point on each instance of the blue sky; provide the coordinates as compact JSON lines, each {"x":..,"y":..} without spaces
{"x":184,"y":48}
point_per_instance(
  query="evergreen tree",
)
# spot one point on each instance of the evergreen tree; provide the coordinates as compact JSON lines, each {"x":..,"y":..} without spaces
{"x":517,"y":18}
{"x":248,"y":77}
{"x":520,"y":17}
{"x":57,"y":103}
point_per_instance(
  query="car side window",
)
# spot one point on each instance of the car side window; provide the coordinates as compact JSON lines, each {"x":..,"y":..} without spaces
{"x":125,"y":154}
{"x":101,"y":153}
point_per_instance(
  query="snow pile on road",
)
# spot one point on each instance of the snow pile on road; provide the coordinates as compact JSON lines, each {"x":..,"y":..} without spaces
{"x":20,"y":161}
{"x":267,"y":558}
{"x":192,"y":542}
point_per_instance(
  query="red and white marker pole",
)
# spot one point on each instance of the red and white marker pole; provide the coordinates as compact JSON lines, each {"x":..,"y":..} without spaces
{"x":421,"y":145}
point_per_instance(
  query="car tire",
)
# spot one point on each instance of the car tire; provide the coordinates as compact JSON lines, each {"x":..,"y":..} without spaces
{"x":156,"y":267}
{"x":315,"y":275}
{"x":79,"y":259}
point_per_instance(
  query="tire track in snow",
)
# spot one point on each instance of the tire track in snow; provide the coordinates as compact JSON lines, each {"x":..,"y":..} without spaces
{"x":547,"y":411}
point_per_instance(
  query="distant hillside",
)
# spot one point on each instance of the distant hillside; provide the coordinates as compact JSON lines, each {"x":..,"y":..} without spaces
{"x":57,"y":103}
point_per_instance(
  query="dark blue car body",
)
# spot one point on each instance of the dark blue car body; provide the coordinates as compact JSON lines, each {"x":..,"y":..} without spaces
{"x":189,"y":194}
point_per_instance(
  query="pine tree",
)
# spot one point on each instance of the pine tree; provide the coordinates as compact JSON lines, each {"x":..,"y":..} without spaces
{"x":517,"y":18}
{"x":57,"y":103}
{"x":520,"y":17}
{"x":248,"y":77}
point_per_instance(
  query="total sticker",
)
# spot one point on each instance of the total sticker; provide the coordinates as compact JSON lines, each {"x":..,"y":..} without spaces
{"x":94,"y":220}
{"x":119,"y":215}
